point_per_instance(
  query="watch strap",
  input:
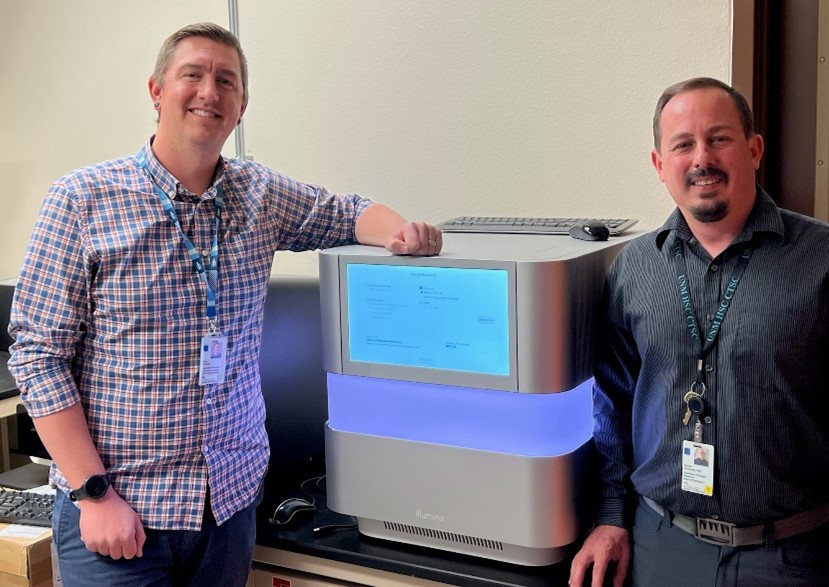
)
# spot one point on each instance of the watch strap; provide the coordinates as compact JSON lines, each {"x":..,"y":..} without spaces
{"x":93,"y":487}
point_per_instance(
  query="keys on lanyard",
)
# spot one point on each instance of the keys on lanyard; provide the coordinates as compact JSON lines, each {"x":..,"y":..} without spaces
{"x":694,"y":404}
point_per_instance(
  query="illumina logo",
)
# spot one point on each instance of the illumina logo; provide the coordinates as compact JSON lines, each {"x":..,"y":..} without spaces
{"x":431,"y":517}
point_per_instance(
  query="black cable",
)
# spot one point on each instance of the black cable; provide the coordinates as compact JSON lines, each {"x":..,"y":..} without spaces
{"x":317,"y":481}
{"x":331,"y":528}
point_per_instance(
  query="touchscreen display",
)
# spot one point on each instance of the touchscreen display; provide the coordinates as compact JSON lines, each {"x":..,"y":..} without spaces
{"x":446,"y":318}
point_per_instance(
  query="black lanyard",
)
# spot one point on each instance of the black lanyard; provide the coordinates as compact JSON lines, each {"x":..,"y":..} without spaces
{"x":702,"y":349}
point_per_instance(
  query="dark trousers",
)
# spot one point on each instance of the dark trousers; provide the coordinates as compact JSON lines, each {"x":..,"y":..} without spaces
{"x":664,"y":555}
{"x":215,"y":555}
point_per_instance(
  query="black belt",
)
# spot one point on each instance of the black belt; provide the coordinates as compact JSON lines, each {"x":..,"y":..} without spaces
{"x":727,"y":534}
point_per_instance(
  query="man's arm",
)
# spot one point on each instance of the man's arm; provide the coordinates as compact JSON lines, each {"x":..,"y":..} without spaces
{"x":381,"y":226}
{"x":109,"y":526}
{"x":48,"y":319}
{"x":616,"y":368}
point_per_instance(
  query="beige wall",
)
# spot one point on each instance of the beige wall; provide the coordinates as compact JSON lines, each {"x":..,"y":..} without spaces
{"x":436,"y":107}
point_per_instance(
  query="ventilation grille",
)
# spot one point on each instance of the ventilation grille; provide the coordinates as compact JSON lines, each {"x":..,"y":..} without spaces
{"x":445,"y":536}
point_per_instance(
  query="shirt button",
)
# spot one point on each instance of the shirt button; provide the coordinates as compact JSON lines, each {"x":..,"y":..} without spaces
{"x":709,"y":316}
{"x":208,"y":401}
{"x":715,"y":267}
{"x":709,"y":368}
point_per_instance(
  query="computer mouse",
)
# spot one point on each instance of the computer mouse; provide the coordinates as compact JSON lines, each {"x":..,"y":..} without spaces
{"x":590,"y":230}
{"x":288,"y":509}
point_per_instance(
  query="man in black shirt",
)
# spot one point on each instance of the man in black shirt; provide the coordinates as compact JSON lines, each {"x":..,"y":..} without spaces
{"x":714,"y":335}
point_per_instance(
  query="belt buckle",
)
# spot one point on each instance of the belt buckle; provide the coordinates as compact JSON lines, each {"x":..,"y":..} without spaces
{"x":715,"y":531}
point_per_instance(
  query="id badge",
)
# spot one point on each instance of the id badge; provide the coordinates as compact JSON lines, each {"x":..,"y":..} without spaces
{"x":698,"y":467}
{"x":213,"y":357}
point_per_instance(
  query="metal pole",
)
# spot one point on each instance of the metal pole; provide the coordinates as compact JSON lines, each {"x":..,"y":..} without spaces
{"x":233,"y":17}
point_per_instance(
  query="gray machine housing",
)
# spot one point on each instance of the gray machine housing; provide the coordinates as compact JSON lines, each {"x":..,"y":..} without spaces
{"x":513,"y":508}
{"x":523,"y":509}
{"x":558,"y":283}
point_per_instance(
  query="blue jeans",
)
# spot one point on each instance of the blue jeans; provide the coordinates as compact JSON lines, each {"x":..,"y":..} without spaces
{"x":215,"y":555}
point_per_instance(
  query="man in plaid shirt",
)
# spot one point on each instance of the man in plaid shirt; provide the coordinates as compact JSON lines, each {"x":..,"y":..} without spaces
{"x":137,"y":318}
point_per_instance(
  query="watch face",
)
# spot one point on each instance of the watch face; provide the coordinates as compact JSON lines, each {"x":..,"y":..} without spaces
{"x":96,"y":486}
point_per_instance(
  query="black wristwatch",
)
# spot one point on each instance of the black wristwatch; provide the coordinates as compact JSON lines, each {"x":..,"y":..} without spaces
{"x":93,"y":488}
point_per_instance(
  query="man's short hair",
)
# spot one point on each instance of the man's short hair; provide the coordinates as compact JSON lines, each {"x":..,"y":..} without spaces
{"x":207,"y":30}
{"x":701,"y":83}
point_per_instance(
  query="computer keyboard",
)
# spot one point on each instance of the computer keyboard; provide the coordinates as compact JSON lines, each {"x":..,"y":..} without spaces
{"x":528,"y":225}
{"x":26,"y":507}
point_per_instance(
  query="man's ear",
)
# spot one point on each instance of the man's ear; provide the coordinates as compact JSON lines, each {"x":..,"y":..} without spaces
{"x":656,"y":161}
{"x":756,"y":147}
{"x":155,"y":90}
{"x":244,"y":107}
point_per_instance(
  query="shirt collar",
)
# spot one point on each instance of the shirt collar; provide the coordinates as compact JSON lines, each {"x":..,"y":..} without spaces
{"x":167,"y":182}
{"x":764,"y":220}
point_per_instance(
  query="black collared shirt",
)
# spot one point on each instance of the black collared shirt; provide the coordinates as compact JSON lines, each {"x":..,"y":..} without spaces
{"x":767,"y":375}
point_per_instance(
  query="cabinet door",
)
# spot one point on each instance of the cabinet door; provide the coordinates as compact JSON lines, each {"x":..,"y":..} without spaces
{"x":280,"y":577}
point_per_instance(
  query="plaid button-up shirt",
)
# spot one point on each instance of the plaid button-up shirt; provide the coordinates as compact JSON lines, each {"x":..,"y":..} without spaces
{"x":109,"y":312}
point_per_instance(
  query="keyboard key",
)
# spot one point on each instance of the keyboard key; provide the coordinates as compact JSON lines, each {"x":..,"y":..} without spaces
{"x":26,"y":507}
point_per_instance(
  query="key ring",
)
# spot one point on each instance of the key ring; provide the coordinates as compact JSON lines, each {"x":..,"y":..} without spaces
{"x":698,"y":387}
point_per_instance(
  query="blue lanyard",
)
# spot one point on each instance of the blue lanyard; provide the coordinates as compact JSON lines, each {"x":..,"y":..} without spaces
{"x":209,"y":276}
{"x":688,"y":306}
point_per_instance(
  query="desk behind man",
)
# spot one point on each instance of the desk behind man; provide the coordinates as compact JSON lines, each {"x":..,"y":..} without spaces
{"x":9,"y":394}
{"x":715,"y":335}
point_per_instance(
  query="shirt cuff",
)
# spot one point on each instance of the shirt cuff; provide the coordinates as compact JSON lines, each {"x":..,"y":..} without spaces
{"x":612,"y":512}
